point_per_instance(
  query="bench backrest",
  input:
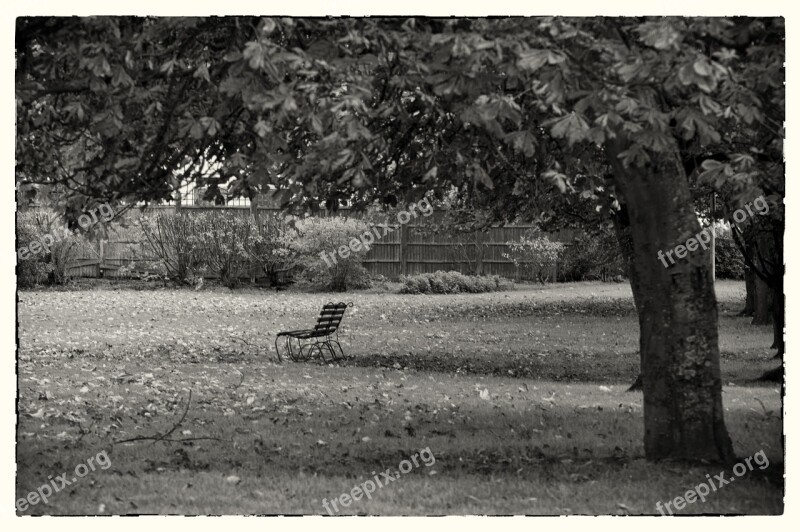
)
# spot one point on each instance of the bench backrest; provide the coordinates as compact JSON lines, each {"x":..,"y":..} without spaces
{"x":330,"y":318}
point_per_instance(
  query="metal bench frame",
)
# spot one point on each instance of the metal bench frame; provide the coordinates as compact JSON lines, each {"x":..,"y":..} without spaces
{"x":323,"y":337}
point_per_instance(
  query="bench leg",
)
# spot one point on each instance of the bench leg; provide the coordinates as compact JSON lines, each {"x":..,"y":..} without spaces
{"x":306,"y":354}
{"x":340,"y":349}
{"x":289,"y":348}
{"x":303,"y":352}
{"x":329,"y":345}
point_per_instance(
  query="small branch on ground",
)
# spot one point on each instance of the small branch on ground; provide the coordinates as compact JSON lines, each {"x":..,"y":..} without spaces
{"x":244,"y":341}
{"x":164,"y":436}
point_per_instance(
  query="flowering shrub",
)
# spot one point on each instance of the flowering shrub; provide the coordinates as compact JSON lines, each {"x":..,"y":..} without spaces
{"x":534,"y":256}
{"x":451,"y":283}
{"x":325,"y":235}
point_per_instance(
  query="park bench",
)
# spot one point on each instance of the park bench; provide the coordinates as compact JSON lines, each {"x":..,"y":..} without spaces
{"x":314,"y":342}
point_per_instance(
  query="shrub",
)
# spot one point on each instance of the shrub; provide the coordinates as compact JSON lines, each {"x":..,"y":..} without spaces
{"x":534,"y":256}
{"x":451,"y":283}
{"x":439,"y":284}
{"x":270,"y":246}
{"x":591,"y":257}
{"x":33,"y":270}
{"x":325,"y":235}
{"x":61,"y":247}
{"x":416,"y":284}
{"x":170,"y":238}
{"x":222,"y":238}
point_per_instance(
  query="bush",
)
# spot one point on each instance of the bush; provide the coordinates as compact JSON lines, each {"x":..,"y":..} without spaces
{"x":49,"y":266}
{"x":270,"y":246}
{"x":534,"y":256}
{"x":416,"y":284}
{"x":590,"y":258}
{"x":170,"y":237}
{"x":451,"y":283}
{"x":222,"y":239}
{"x":316,"y":236}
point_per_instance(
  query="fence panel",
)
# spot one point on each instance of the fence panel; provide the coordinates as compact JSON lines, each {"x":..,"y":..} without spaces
{"x":408,"y":249}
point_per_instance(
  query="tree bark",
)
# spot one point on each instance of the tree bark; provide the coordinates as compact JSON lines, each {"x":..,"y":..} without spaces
{"x":683,"y":414}
{"x":761,"y":245}
{"x":762,"y":302}
{"x":622,"y":230}
{"x":761,"y":248}
{"x":778,"y":316}
{"x":778,"y":298}
{"x":750,"y":288}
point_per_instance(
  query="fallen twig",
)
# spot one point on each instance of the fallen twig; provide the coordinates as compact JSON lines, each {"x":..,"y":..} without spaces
{"x":194,"y":439}
{"x":162,"y":437}
{"x":243,"y":340}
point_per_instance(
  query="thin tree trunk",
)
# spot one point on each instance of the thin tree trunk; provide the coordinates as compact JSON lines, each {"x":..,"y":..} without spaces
{"x":683,"y":414}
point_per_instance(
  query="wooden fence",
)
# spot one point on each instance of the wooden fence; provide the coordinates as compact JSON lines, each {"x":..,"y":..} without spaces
{"x":405,"y":249}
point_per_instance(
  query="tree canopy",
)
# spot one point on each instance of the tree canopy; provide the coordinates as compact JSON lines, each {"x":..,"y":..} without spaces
{"x":322,"y":109}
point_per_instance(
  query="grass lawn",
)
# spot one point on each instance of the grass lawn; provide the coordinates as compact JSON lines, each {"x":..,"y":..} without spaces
{"x":519,"y":396}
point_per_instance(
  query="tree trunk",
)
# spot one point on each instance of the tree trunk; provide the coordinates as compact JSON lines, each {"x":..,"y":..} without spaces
{"x":778,"y":299}
{"x":778,"y":316}
{"x":750,"y":288}
{"x":677,"y":309}
{"x":762,"y":246}
{"x":622,"y":230}
{"x":762,"y":302}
